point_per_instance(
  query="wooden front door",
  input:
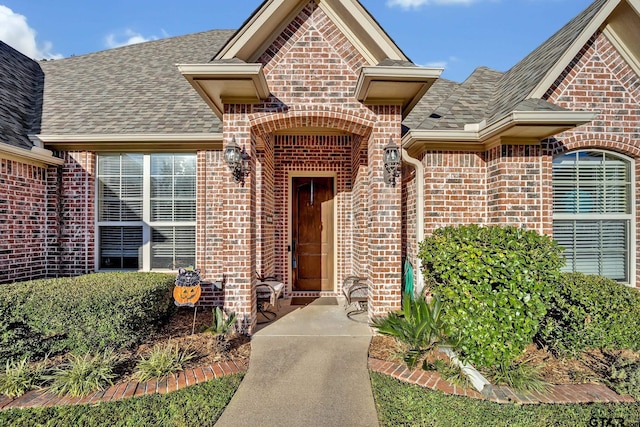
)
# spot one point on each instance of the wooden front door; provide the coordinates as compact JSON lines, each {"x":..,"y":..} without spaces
{"x":312,"y":234}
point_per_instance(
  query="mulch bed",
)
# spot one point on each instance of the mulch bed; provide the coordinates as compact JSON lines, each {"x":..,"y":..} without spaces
{"x":588,"y":368}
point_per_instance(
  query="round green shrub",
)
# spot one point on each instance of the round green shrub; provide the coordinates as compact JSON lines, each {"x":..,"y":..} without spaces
{"x":494,"y":282}
{"x":589,"y":312}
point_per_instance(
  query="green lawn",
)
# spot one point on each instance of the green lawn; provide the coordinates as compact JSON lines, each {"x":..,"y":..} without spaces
{"x":199,"y":405}
{"x":402,"y":404}
{"x":398,"y":404}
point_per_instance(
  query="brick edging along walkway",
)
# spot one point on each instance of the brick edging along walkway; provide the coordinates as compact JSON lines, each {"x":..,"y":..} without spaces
{"x":561,"y":394}
{"x":188,"y":377}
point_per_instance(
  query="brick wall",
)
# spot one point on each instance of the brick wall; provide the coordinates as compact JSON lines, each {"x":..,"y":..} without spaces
{"x":598,"y":79}
{"x":455,"y":188}
{"x":385,"y":217}
{"x":23,"y":221}
{"x":210,"y":228}
{"x":76,"y":214}
{"x":514,"y":186}
{"x":312,"y":69}
{"x":240,"y":222}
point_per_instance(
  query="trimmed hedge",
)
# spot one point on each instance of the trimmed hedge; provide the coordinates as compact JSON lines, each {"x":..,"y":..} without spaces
{"x":92,"y":312}
{"x":494,"y":282}
{"x":590,"y":312}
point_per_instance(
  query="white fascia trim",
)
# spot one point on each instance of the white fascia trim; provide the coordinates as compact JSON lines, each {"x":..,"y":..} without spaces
{"x":393,"y":74}
{"x":216,"y":69}
{"x":132,"y":137}
{"x":397,"y":73}
{"x":517,"y":118}
{"x":367,"y":24}
{"x":35,"y":154}
{"x":251,"y":28}
{"x":541,"y":118}
{"x":544,"y":85}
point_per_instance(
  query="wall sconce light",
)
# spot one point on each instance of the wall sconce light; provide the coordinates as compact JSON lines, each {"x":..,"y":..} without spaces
{"x":238,"y":161}
{"x":392,"y":162}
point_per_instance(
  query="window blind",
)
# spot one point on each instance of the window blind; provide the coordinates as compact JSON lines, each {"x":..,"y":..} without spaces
{"x":593,"y":212}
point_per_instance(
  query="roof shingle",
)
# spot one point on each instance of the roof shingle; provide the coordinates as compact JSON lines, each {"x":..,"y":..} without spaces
{"x":132,"y":89}
{"x":21,"y":83}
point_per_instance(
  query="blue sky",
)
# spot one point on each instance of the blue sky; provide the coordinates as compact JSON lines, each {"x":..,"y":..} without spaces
{"x":458,"y":35}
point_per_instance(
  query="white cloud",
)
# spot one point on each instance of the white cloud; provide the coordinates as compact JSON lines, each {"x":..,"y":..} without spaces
{"x":440,"y":64}
{"x":125,"y":38}
{"x":414,"y":4}
{"x":16,"y":32}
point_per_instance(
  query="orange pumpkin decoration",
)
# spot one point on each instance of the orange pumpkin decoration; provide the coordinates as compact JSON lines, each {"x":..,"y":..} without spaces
{"x":187,"y":290}
{"x":186,"y":295}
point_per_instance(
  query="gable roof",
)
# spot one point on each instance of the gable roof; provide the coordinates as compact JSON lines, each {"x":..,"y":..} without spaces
{"x":520,"y":81}
{"x":21,"y":83}
{"x":273,"y":16}
{"x":484,"y":102}
{"x":135,"y":89}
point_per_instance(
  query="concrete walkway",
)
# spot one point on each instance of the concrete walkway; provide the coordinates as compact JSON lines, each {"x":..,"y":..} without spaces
{"x":308,"y":368}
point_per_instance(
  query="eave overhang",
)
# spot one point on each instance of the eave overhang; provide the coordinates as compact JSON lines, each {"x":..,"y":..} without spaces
{"x":35,"y":155}
{"x":519,"y":127}
{"x":391,"y":85}
{"x":227,"y":83}
{"x":133,"y":142}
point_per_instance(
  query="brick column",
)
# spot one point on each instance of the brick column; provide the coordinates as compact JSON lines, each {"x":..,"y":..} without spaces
{"x":239,"y":215}
{"x":385,"y":218}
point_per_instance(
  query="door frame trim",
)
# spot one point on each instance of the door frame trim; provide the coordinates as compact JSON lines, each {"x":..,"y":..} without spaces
{"x":312,"y":174}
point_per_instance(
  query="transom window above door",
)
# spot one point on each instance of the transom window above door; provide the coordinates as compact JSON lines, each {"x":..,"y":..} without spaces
{"x":146,"y":208}
{"x":593,"y":212}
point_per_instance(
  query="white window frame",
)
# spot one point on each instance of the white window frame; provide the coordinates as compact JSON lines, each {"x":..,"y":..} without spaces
{"x":146,"y":222}
{"x":630,"y":217}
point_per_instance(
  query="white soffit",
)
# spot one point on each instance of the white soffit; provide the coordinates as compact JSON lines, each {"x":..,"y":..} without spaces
{"x":623,"y":30}
{"x":389,"y":85}
{"x":227,"y":83}
{"x":524,"y":126}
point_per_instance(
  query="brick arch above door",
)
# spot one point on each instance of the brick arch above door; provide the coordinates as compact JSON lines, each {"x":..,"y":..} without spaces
{"x":358,"y":122}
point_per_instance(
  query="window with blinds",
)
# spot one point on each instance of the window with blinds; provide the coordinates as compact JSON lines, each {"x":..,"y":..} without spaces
{"x":593,"y":212}
{"x":146,"y":211}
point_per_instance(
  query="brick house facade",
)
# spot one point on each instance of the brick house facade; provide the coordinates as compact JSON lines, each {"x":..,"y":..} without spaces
{"x":314,"y":91}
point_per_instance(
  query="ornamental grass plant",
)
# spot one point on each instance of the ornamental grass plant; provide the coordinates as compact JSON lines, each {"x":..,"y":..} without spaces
{"x":162,"y":361}
{"x":83,"y":374}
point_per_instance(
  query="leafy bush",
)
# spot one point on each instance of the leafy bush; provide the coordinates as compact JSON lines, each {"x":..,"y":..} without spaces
{"x":419,"y":325}
{"x":162,"y":361}
{"x":92,"y":312}
{"x":624,"y":377}
{"x":494,"y":282}
{"x":589,"y":312}
{"x":83,"y":374}
{"x":21,"y":377}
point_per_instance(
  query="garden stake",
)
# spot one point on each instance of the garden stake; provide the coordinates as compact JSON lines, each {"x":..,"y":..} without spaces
{"x":193,"y":328}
